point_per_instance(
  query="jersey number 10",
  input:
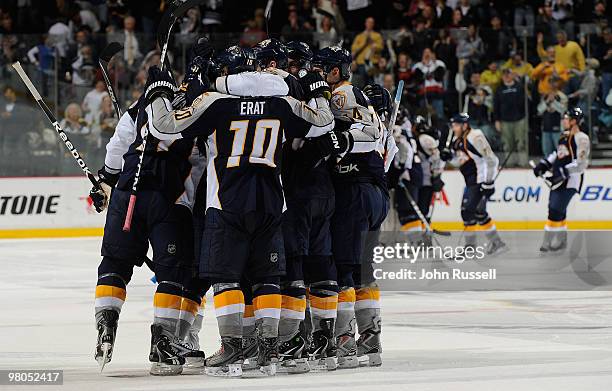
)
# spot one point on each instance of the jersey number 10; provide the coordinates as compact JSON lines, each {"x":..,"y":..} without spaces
{"x":259,"y":154}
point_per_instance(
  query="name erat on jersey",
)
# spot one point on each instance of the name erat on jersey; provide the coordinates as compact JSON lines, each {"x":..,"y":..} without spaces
{"x":245,"y":135}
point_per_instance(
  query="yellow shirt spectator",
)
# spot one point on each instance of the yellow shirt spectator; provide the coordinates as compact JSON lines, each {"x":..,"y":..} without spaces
{"x":522,"y":68}
{"x":567,"y":53}
{"x":491,"y":76}
{"x":368,"y":44}
{"x":548,"y":73}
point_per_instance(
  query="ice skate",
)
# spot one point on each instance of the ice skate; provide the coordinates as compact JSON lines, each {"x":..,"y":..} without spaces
{"x":322,"y":350}
{"x":194,"y":358}
{"x":267,"y":355}
{"x":291,"y":355}
{"x":545,"y":246}
{"x":107,"y":331}
{"x":227,"y":361}
{"x":165,"y":359}
{"x":558,"y":242}
{"x":249,"y":350}
{"x":496,"y":247}
{"x":347,"y":351}
{"x":369,"y":349}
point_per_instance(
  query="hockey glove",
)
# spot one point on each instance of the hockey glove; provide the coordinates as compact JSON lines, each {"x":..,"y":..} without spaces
{"x":100,"y":196}
{"x":559,"y":176}
{"x":437,"y":183}
{"x":160,"y":83}
{"x":334,"y":143}
{"x":541,"y":168}
{"x":446,"y":155}
{"x":487,"y":189}
{"x":314,"y":86}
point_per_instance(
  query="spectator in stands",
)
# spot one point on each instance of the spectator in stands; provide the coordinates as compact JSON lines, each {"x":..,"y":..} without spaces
{"x":326,"y":33}
{"x":567,"y":53}
{"x":550,"y":109}
{"x":254,"y":31}
{"x":92,"y":102}
{"x":517,"y":65}
{"x":550,"y":72}
{"x":457,"y":20}
{"x":422,"y":37}
{"x":468,"y":13}
{"x":389,"y":83}
{"x":563,"y":13}
{"x":43,"y":56}
{"x":589,"y":85}
{"x":295,"y":29}
{"x":606,"y":63}
{"x":445,"y":49}
{"x":61,"y":36}
{"x":429,"y":76}
{"x":478,"y":104}
{"x":471,"y":49}
{"x":499,"y":40}
{"x":43,"y":150}
{"x":491,"y":76}
{"x":443,"y":13}
{"x":79,"y":132}
{"x":378,"y":72}
{"x":367,"y":47}
{"x":511,"y":119}
{"x":15,"y":119}
{"x":523,"y":14}
{"x":84,"y":68}
{"x":6,"y":24}
{"x":546,"y":25}
{"x":131,"y":46}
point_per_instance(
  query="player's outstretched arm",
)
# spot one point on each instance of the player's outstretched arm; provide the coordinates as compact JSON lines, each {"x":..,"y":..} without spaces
{"x":583,"y":150}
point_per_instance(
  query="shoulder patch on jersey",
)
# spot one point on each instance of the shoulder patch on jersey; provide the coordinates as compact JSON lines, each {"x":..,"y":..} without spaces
{"x":338,"y":100}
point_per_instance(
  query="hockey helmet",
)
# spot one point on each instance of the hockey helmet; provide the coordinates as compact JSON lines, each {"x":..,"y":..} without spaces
{"x":271,"y":50}
{"x":300,"y":53}
{"x":236,"y":59}
{"x":331,"y":57}
{"x":574,"y":113}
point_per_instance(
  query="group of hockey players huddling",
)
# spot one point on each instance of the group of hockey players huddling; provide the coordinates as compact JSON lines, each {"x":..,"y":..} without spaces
{"x":281,"y":245}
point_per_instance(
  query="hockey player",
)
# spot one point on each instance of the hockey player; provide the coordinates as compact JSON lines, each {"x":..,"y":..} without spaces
{"x":361,"y":204}
{"x":163,"y":218}
{"x":567,"y":166}
{"x":244,"y":203}
{"x":431,"y":166}
{"x":299,"y":56}
{"x":478,"y":165}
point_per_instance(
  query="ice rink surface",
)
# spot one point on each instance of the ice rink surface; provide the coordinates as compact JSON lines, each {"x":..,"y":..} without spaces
{"x":431,"y":340}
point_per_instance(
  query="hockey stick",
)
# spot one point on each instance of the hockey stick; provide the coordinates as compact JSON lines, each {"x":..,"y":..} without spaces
{"x":420,"y":214}
{"x":396,"y":105}
{"x":73,"y":151}
{"x":107,"y":54}
{"x":168,"y":21}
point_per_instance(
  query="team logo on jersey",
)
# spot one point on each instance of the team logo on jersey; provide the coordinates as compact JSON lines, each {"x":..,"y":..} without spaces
{"x":273,"y":257}
{"x":338,"y":101}
{"x":302,"y":73}
{"x":172,"y":248}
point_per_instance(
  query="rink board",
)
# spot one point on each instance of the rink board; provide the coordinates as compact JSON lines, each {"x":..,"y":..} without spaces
{"x":60,"y":207}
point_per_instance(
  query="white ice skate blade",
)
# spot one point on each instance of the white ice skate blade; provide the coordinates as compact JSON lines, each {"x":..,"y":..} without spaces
{"x":160,"y":369}
{"x":105,"y":359}
{"x":370,"y":360}
{"x":232,"y":370}
{"x":348,"y":362}
{"x":299,"y":365}
{"x":324,"y":364}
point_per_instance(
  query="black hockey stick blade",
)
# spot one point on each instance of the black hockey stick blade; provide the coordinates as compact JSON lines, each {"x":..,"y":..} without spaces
{"x":110,"y":50}
{"x":441,"y":233}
